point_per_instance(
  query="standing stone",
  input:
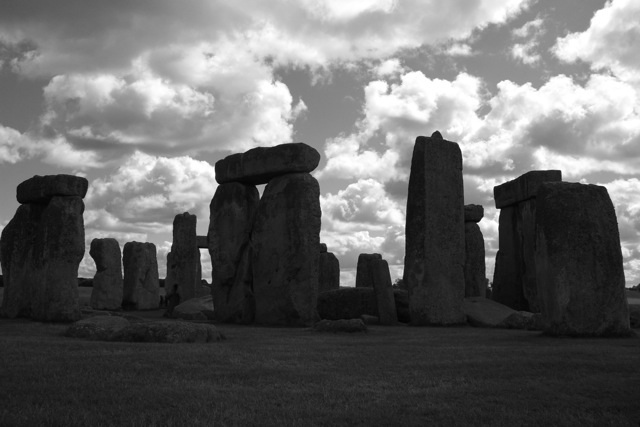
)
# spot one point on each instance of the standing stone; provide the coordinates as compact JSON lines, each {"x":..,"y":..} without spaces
{"x":286,"y":237}
{"x":580,"y":273}
{"x":435,"y":248}
{"x":232,"y":214}
{"x":141,"y":282}
{"x":514,"y":280}
{"x":184,"y":269}
{"x":259,"y":165}
{"x":475,"y":281}
{"x":41,"y":249}
{"x":329,"y":272}
{"x":107,"y":282}
{"x":381,"y":279}
{"x":365,"y":270}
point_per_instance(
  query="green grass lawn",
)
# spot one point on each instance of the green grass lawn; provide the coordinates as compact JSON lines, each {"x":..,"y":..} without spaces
{"x":285,"y":377}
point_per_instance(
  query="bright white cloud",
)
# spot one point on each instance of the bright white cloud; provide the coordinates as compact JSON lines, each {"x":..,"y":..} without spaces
{"x":610,"y":42}
{"x":529,"y":35}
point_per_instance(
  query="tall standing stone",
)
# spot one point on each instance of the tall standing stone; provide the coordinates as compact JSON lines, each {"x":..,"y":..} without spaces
{"x":435,"y":249}
{"x":108,"y":281}
{"x":329,"y":271}
{"x":41,"y":249}
{"x":184,"y":269}
{"x":365,"y":270}
{"x":474,"y":266}
{"x":514,"y":279}
{"x":579,"y":261}
{"x":232,"y":214}
{"x":381,"y":282}
{"x":141,"y":282}
{"x":286,"y":237}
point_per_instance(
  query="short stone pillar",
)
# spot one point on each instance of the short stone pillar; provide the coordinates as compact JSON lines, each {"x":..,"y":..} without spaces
{"x":365,"y":270}
{"x":41,"y":249}
{"x":141,"y":282}
{"x":381,"y":282}
{"x":329,"y":271}
{"x":183,"y":265}
{"x":514,"y":277}
{"x":435,"y":248}
{"x":107,"y":282}
{"x":580,"y":275}
{"x":475,"y":281}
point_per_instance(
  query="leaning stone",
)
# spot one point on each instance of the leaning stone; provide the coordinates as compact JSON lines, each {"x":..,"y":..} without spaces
{"x":232,"y":214}
{"x":523,"y":188}
{"x":473,"y":213}
{"x":522,"y":320}
{"x":475,"y":281}
{"x":168,"y":332}
{"x":285,"y":241}
{"x":341,"y":325}
{"x":485,"y":313}
{"x":364,"y":271}
{"x":260,"y":165}
{"x":194,"y":309}
{"x":184,"y":271}
{"x":141,"y":283}
{"x":106,"y":293}
{"x":329,"y":272}
{"x":101,"y":327}
{"x":579,"y":261}
{"x":384,"y":292}
{"x":40,"y":189}
{"x":435,"y":251}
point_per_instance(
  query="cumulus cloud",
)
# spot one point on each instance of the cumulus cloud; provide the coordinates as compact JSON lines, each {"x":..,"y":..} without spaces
{"x":529,"y":36}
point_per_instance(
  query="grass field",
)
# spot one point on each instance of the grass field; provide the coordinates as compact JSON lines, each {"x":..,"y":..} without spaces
{"x":285,"y":377}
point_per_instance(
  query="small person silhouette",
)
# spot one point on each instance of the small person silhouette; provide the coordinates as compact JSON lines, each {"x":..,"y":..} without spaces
{"x":172,"y":300}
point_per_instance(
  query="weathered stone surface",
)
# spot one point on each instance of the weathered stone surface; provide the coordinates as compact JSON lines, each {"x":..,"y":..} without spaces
{"x":634,"y":316}
{"x":475,"y":281}
{"x":260,"y":165}
{"x":286,"y":238}
{"x":107,"y":290}
{"x":347,"y":303}
{"x":41,"y":249}
{"x":368,"y":319}
{"x":184,"y":268}
{"x":101,"y":327}
{"x":508,"y":272}
{"x":232,"y":214}
{"x":364,"y":270}
{"x":435,"y":251}
{"x":522,"y":320}
{"x":202,"y":242}
{"x":485,"y":313}
{"x":527,"y":240}
{"x":473,"y":213}
{"x":168,"y":332}
{"x":523,"y":188}
{"x":141,"y":284}
{"x":329,"y":272}
{"x":40,"y":189}
{"x":401,"y":298}
{"x":340,"y":325}
{"x":579,"y":261}
{"x":195,"y":309}
{"x":384,"y":292}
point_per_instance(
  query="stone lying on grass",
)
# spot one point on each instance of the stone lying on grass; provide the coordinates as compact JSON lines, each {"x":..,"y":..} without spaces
{"x":484,"y":312}
{"x":522,"y":320}
{"x":195,"y":309}
{"x":370,"y":320}
{"x":101,"y":327}
{"x":169,"y":332}
{"x":341,"y":325}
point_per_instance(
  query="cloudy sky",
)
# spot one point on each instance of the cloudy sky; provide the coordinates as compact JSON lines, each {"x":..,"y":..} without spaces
{"x":143,"y":97}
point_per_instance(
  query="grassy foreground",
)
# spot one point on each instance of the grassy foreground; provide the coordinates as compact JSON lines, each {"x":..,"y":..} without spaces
{"x":277,"y":376}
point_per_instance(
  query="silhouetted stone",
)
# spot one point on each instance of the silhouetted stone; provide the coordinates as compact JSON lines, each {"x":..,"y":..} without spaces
{"x":364,"y":271}
{"x":195,"y":309}
{"x":184,"y":268}
{"x":285,"y":239}
{"x":401,"y":298}
{"x":340,"y":325}
{"x":483,"y":312}
{"x":141,"y":284}
{"x":260,"y":165}
{"x":384,"y":292}
{"x":323,"y":248}
{"x":473,"y":213}
{"x":523,"y":188}
{"x":107,"y":283}
{"x":40,"y":189}
{"x":41,"y":249}
{"x":347,"y":303}
{"x":232,"y":214}
{"x":579,"y":261}
{"x":474,"y":267}
{"x":634,"y":316}
{"x":435,"y":249}
{"x":329,"y":272}
{"x":202,"y":242}
{"x":367,"y":319}
{"x":522,"y":320}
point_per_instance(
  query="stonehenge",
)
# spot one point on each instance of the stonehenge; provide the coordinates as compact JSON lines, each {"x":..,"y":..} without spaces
{"x":329,"y":270}
{"x":41,"y":249}
{"x":435,"y":245}
{"x":141,"y":284}
{"x":183,"y":262}
{"x":108,"y":282}
{"x":365,"y":270}
{"x":475,"y":282}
